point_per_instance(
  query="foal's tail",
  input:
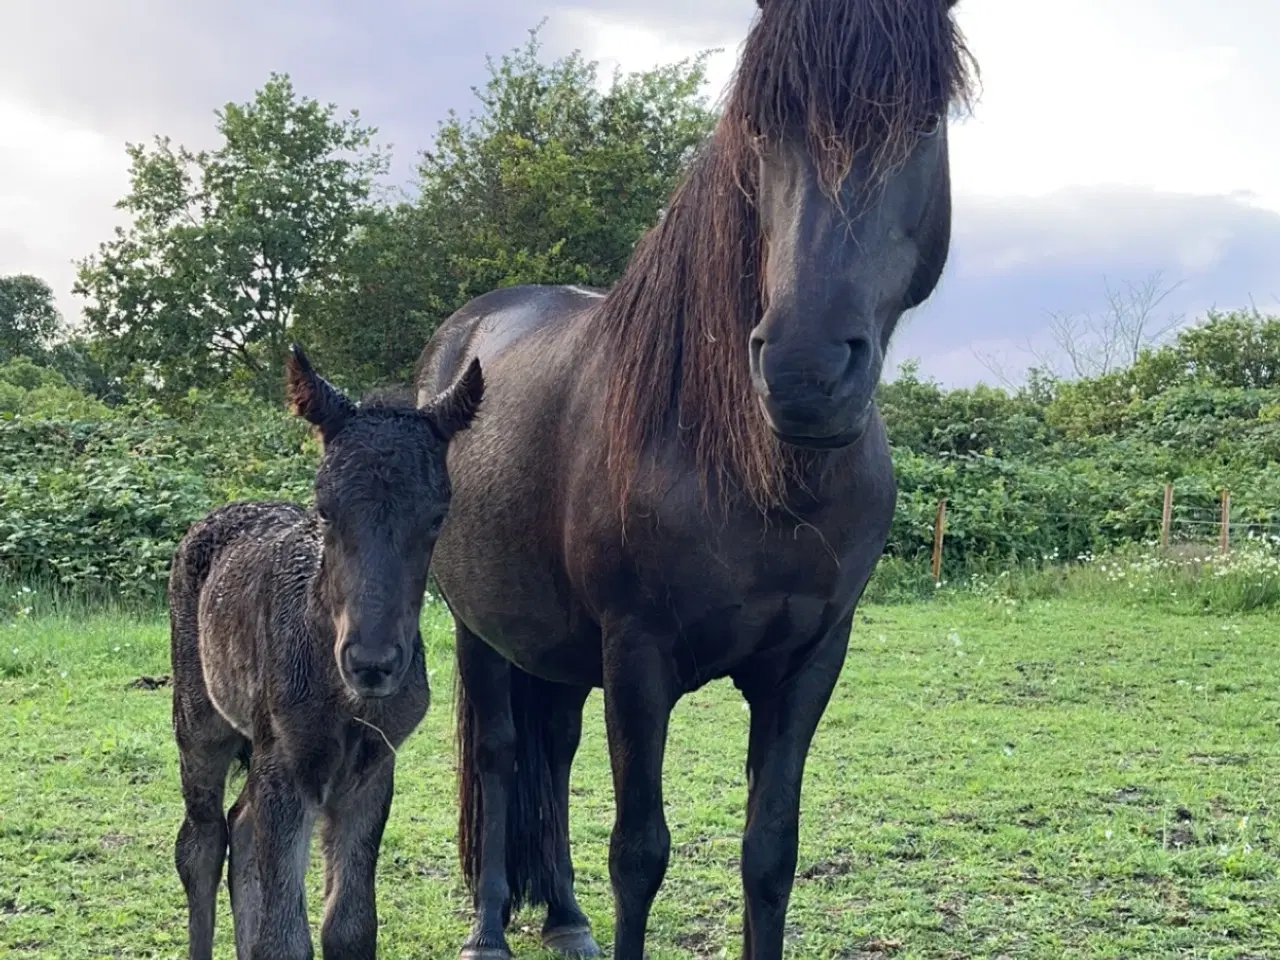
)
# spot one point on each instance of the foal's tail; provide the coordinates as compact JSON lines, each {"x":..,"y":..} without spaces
{"x":190,"y":567}
{"x":533,"y":822}
{"x":192,"y":560}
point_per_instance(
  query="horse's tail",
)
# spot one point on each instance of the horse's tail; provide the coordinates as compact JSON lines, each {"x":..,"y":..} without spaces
{"x":533,"y":826}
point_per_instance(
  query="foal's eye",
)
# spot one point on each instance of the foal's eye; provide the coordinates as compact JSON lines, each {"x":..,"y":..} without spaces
{"x":932,"y":124}
{"x":436,"y":524}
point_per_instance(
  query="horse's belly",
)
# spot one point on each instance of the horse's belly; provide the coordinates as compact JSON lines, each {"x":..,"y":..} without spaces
{"x":516,"y":609}
{"x":226,"y":656}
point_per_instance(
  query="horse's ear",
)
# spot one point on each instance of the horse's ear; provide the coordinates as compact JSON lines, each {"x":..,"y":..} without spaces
{"x":314,"y":398}
{"x":453,"y":409}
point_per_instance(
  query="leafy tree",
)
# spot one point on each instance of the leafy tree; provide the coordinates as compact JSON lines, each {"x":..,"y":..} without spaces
{"x":1240,"y":349}
{"x":29,"y":320}
{"x":551,"y":180}
{"x":370,"y":325}
{"x":554,"y":180}
{"x":204,"y":284}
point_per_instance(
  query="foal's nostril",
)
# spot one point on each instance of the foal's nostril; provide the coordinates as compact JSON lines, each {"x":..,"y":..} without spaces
{"x":371,"y":666}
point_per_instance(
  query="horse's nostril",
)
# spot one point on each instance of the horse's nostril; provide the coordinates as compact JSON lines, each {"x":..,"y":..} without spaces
{"x":371,"y":666}
{"x":859,"y":357}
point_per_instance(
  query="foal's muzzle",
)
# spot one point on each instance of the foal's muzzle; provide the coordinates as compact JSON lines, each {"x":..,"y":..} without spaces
{"x":373,"y":671}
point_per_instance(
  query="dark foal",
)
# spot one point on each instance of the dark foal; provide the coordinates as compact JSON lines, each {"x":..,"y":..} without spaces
{"x":686,"y":478}
{"x":296,"y":650}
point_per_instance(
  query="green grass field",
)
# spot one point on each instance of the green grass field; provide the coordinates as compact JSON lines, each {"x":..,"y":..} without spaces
{"x":1058,"y":779}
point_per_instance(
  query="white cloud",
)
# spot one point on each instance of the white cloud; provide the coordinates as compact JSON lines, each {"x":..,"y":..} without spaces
{"x":1087,"y":94}
{"x":58,"y":184}
{"x":618,"y":40}
{"x":1131,"y":96}
{"x":1167,"y":95}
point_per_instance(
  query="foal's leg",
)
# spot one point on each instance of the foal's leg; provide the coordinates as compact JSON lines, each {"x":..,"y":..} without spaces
{"x":487,"y":678}
{"x":352,"y":836}
{"x":567,"y":930}
{"x":201,"y":847}
{"x":783,"y":721}
{"x":639,"y":692}
{"x":243,"y":884}
{"x":283,"y":817}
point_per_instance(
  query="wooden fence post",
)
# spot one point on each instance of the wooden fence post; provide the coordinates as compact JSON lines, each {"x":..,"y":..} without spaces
{"x":1167,"y":519}
{"x":938,"y":528}
{"x":1224,"y":541}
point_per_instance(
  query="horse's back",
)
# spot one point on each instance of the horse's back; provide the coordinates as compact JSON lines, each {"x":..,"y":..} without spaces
{"x":491,"y":325}
{"x":219,"y":598}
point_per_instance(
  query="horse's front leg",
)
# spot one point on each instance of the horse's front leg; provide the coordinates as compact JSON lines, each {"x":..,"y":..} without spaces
{"x":283,"y":818}
{"x":352,"y":837}
{"x":639,"y":692}
{"x":783,"y":720}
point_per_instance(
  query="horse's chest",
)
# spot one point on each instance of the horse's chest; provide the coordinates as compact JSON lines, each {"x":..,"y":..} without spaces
{"x":742,"y":595}
{"x":335,"y":759}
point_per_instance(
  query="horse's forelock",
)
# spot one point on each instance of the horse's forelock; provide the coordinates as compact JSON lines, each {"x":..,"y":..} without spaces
{"x":852,"y":77}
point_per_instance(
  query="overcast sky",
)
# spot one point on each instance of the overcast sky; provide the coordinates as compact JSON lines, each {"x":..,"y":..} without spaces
{"x":1113,"y":138}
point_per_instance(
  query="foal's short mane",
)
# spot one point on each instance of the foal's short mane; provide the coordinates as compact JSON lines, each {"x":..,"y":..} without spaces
{"x":853,"y":79}
{"x":395,"y":398}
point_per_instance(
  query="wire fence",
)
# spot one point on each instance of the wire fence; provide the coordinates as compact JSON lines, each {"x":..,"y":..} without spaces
{"x":1171,"y":528}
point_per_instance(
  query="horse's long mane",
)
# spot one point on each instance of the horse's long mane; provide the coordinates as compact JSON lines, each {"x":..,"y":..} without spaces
{"x":854,"y":79}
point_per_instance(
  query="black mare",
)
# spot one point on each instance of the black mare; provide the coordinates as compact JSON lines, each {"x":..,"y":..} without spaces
{"x":687,"y":478}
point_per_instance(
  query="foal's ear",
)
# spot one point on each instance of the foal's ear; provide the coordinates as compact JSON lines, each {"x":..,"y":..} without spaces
{"x":314,"y":398}
{"x":453,"y":409}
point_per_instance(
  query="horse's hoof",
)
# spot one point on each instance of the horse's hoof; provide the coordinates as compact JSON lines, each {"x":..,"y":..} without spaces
{"x":573,"y":943}
{"x":485,"y":953}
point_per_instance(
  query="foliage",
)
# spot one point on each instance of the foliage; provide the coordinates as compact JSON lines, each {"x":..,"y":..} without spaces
{"x":554,"y":181}
{"x":97,"y":504}
{"x":274,"y":236}
{"x":29,"y":320}
{"x":1056,"y":471}
{"x":30,"y":389}
{"x":371,"y":325}
{"x":203,"y":285}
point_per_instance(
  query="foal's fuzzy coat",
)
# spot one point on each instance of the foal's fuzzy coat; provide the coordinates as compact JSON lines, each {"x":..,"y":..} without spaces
{"x":296,"y":650}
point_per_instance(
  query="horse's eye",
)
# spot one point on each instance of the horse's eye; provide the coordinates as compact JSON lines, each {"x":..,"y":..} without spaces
{"x":931,"y":125}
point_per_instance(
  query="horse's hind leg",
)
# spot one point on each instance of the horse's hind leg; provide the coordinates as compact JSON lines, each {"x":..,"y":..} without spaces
{"x":201,"y":846}
{"x":488,"y":761}
{"x":567,"y":931}
{"x":351,"y":834}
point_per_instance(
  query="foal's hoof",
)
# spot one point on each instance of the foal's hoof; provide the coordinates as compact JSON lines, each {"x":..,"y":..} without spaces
{"x":574,"y":943}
